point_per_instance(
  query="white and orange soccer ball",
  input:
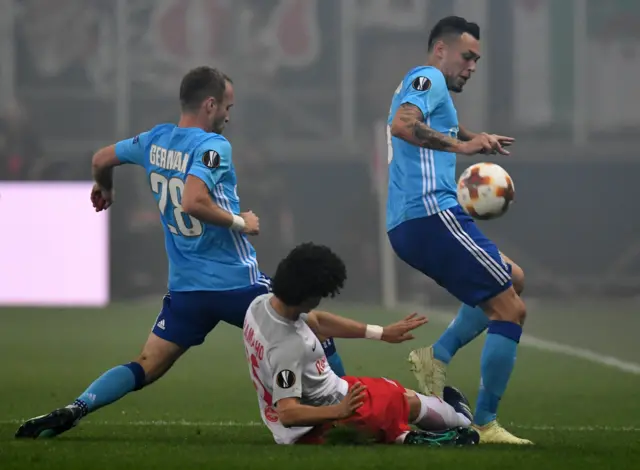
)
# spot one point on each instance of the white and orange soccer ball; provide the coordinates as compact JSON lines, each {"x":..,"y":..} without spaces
{"x":485,"y":191}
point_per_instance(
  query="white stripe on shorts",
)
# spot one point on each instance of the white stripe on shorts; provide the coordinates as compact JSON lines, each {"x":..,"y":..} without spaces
{"x":264,"y":282}
{"x":495,"y":269}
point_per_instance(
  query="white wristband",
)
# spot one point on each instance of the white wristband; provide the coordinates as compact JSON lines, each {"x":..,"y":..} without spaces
{"x":373,"y":332}
{"x":238,"y":223}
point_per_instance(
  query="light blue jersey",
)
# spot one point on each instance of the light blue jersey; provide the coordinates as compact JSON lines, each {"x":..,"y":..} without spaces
{"x":202,"y":257}
{"x":422,"y":182}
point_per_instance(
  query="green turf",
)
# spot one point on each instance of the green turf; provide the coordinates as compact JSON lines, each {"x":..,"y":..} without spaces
{"x":576,"y":411}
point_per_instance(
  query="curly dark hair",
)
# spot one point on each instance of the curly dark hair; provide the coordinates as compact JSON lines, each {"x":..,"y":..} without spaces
{"x":309,"y":271}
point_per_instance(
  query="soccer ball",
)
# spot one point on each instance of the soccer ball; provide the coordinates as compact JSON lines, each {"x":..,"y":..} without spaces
{"x":485,"y":191}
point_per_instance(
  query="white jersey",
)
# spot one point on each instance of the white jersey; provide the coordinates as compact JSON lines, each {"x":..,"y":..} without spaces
{"x":286,"y":360}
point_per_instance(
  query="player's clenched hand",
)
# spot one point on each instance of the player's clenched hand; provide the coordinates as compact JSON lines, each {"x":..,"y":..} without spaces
{"x":251,"y":223}
{"x":101,"y":198}
{"x":352,"y":401}
{"x":400,"y":331}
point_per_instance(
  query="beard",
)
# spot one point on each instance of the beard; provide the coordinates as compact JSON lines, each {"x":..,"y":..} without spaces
{"x":456,"y":84}
{"x":218,"y":127}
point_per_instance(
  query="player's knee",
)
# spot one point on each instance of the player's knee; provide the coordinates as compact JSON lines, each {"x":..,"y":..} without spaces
{"x":521,"y":312}
{"x":507,"y":306}
{"x":516,"y":311}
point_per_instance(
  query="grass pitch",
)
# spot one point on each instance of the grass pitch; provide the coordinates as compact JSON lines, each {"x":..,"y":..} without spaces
{"x":204,"y":413}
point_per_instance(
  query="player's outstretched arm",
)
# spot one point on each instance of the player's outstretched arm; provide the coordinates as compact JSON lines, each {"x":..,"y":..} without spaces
{"x":408,"y":125}
{"x":292,"y":413}
{"x":197,"y":202}
{"x":330,"y":325}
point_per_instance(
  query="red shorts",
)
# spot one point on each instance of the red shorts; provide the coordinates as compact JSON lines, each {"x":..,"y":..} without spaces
{"x":384,"y":413}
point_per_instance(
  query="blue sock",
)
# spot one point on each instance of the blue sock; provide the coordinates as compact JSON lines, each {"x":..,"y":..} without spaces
{"x":496,"y":364}
{"x":111,"y":386}
{"x":469,"y":323}
{"x":335,"y":362}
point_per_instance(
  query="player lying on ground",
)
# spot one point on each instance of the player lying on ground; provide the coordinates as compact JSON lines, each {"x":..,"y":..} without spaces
{"x":431,"y":232}
{"x":213,"y":272}
{"x":301,"y":398}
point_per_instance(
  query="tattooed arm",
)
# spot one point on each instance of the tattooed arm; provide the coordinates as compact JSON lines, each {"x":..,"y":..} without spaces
{"x":407,"y":125}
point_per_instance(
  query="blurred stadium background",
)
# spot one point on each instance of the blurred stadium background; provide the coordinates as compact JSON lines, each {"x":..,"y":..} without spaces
{"x":314,"y":81}
{"x":313,"y":85}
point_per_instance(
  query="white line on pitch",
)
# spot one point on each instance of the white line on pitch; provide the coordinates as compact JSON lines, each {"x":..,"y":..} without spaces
{"x":559,"y":348}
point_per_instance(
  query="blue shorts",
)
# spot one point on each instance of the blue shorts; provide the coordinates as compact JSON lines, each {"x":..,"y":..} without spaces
{"x":450,"y":249}
{"x":187,"y":318}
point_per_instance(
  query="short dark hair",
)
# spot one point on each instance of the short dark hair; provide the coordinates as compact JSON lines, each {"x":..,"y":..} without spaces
{"x":309,"y":271}
{"x":200,"y":83}
{"x":452,"y":26}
